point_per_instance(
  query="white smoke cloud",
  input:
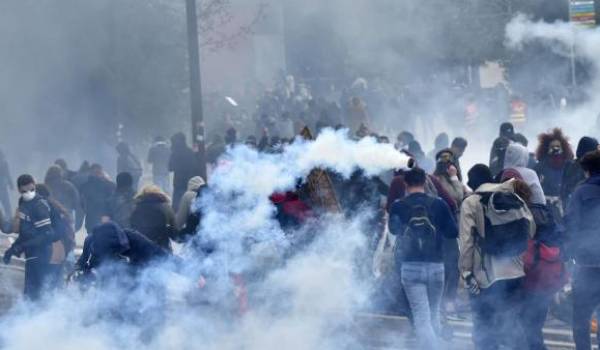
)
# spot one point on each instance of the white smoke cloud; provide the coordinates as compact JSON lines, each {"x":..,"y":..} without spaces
{"x":303,"y":302}
{"x":560,"y":37}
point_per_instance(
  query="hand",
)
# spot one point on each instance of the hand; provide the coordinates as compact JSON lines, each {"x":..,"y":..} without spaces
{"x":471,"y":285}
{"x":8,"y":256}
{"x":452,"y":171}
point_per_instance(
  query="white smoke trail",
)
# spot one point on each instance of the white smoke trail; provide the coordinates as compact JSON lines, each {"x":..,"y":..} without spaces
{"x":304,"y":302}
{"x":560,"y":36}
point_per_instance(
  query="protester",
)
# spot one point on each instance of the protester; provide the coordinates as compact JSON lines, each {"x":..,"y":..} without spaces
{"x":184,"y":165}
{"x":67,"y":173}
{"x":62,"y":226}
{"x":153,"y":217}
{"x":185,"y":206}
{"x":158,"y":157}
{"x":573,"y":174}
{"x":515,"y":166}
{"x":121,"y":203}
{"x":414,"y":148}
{"x":553,"y":155}
{"x":420,"y":223}
{"x":35,"y":237}
{"x":507,"y":135}
{"x":95,"y":194}
{"x":64,"y":192}
{"x":458,"y":148}
{"x":582,"y":220}
{"x":129,"y":163}
{"x":495,"y":225}
{"x":6,"y":184}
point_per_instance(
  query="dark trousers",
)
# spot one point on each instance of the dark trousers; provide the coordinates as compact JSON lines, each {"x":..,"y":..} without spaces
{"x":586,"y":297}
{"x":496,"y":315}
{"x":36,"y":274}
{"x":177,"y":194}
{"x":451,"y":274}
{"x":535,"y":310}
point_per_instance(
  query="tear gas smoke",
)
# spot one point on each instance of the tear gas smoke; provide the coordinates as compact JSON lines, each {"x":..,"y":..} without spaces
{"x":304,"y":302}
{"x":560,"y":37}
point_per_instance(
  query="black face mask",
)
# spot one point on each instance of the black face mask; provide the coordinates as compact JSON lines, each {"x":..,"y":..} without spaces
{"x":555,"y":151}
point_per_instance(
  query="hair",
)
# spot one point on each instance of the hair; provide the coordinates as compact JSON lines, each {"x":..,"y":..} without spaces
{"x":61,"y":163}
{"x":591,"y":162}
{"x":522,"y":190}
{"x":96,"y":169}
{"x":124,"y":180}
{"x":25,"y":180}
{"x":415,"y":177}
{"x":545,"y":139}
{"x":459,"y":143}
{"x":153,"y":190}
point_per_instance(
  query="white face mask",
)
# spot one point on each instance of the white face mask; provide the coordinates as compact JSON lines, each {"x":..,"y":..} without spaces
{"x":29,"y":195}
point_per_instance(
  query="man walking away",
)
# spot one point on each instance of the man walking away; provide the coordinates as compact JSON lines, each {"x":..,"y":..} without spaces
{"x":184,"y":165}
{"x":95,"y":194}
{"x":421,"y":222}
{"x":120,"y":205}
{"x":158,"y":156}
{"x":35,"y":237}
{"x":582,"y":220}
{"x":495,"y":225}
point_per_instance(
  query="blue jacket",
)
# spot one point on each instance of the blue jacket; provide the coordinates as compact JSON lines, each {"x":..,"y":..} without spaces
{"x":441,"y":217}
{"x":582,"y":220}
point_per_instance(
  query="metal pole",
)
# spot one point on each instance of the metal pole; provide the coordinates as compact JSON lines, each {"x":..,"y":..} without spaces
{"x":572,"y":58}
{"x":195,"y":84}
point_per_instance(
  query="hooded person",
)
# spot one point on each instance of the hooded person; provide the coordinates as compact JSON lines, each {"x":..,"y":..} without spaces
{"x":184,"y":164}
{"x":153,"y":217}
{"x":127,"y":162}
{"x":490,"y":262}
{"x":515,"y":166}
{"x":506,"y":135}
{"x":185,"y":205}
{"x":574,"y":174}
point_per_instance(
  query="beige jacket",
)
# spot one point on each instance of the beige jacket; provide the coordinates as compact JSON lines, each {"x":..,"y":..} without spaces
{"x":488,"y":269}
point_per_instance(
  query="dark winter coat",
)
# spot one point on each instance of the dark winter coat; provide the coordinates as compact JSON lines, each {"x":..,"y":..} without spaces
{"x":573,"y":175}
{"x":154,"y":218}
{"x":582,"y":220}
{"x":35,"y":229}
{"x":550,"y":177}
{"x":95,"y":194}
{"x":184,"y":164}
{"x":120,"y":206}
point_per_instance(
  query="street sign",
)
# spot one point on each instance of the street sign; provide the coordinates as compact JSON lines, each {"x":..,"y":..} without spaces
{"x":582,"y":12}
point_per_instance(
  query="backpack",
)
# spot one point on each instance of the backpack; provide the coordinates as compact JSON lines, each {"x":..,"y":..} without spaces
{"x":506,"y":226}
{"x":420,"y":235}
{"x":544,"y":267}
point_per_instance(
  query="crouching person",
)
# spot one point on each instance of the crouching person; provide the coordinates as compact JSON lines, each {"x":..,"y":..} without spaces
{"x":495,"y":226}
{"x":421,"y":222}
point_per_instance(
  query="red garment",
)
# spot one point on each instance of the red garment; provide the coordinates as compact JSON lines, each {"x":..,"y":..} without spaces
{"x":397,"y":190}
{"x":544,"y":269}
{"x":291,"y":205}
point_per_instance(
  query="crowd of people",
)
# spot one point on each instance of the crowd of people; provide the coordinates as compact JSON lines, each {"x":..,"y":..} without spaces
{"x":512,"y":232}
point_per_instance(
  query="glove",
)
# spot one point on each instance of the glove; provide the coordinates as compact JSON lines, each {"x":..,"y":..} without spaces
{"x":13,"y":250}
{"x":471,"y":284}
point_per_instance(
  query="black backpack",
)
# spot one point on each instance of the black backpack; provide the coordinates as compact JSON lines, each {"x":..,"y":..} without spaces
{"x":420,"y":235}
{"x":506,"y":226}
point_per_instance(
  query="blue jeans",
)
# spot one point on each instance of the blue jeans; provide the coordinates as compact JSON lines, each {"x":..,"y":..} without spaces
{"x":424,"y":286}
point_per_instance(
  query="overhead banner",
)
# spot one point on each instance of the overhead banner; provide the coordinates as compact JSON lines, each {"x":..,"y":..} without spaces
{"x":582,"y":12}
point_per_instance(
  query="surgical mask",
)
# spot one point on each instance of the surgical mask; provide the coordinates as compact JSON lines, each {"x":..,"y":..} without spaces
{"x":28,"y":196}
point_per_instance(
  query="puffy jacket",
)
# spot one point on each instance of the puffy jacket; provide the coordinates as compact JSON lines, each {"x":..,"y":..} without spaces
{"x":154,"y":218}
{"x":517,"y":158}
